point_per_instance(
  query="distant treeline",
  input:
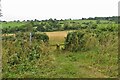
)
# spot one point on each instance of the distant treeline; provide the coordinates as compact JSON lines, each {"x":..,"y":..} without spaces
{"x":113,"y":18}
{"x":60,"y":25}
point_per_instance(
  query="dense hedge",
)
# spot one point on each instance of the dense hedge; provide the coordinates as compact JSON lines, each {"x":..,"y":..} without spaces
{"x":74,"y":41}
{"x":17,"y":51}
{"x":87,"y":40}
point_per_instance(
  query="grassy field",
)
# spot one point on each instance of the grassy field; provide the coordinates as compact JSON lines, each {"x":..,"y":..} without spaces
{"x":57,"y":37}
{"x":81,"y":64}
{"x":65,"y":64}
{"x":68,"y":65}
{"x":100,"y":62}
{"x":18,"y":24}
{"x":12,"y":24}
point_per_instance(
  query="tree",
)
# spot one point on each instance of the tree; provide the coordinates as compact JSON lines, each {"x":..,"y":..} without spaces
{"x":41,"y":27}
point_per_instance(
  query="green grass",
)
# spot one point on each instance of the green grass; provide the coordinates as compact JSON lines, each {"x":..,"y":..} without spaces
{"x":65,"y":64}
{"x":69,"y":65}
{"x":12,"y":24}
{"x":18,"y":24}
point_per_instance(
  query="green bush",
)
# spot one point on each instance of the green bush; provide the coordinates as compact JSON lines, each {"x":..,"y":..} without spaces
{"x":43,"y":37}
{"x":18,"y":54}
{"x":74,"y":41}
{"x":38,"y":37}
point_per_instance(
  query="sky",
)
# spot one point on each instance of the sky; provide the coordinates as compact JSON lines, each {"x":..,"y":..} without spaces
{"x":59,"y":9}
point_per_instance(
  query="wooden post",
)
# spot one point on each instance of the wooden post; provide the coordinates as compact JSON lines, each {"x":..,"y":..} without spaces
{"x":30,"y":38}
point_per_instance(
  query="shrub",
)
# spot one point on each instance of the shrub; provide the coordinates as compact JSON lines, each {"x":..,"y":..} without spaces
{"x":18,"y":55}
{"x":74,"y":41}
{"x":91,"y":42}
{"x":38,"y":37}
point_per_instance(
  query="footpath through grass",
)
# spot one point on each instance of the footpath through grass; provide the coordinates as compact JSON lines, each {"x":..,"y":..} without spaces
{"x":70,"y":65}
{"x":64,"y":64}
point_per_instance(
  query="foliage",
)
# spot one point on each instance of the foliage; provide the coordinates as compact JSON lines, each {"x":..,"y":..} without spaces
{"x":90,"y":48}
{"x":74,"y":41}
{"x":90,"y":40}
{"x":21,"y":52}
{"x":58,"y":25}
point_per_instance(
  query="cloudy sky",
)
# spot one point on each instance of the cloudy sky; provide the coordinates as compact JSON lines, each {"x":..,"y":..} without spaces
{"x":59,"y":9}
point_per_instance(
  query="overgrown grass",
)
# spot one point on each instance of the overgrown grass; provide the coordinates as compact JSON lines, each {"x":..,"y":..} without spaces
{"x":69,"y":65}
{"x":93,"y":63}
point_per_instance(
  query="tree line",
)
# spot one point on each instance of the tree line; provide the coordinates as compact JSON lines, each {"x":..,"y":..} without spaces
{"x":57,"y":25}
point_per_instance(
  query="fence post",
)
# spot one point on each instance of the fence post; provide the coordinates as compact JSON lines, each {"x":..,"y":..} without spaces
{"x":30,"y":38}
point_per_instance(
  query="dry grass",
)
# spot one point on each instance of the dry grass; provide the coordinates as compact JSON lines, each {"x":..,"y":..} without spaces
{"x":57,"y":37}
{"x":8,"y":35}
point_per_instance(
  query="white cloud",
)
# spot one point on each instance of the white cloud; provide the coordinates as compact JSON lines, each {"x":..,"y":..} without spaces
{"x":45,"y":9}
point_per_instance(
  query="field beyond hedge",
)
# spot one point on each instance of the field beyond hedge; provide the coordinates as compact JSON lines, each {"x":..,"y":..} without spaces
{"x":89,"y":52}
